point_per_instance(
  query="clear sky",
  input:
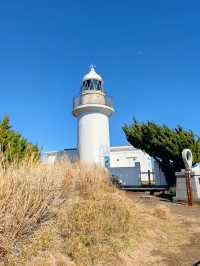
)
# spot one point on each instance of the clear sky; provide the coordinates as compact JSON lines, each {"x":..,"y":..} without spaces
{"x":148,"y":53}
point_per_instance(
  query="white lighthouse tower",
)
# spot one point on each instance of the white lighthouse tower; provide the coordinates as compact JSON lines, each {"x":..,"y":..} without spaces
{"x":93,"y":109}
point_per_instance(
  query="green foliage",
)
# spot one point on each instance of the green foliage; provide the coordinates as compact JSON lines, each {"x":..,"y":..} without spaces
{"x":165,"y":145}
{"x":13,"y":147}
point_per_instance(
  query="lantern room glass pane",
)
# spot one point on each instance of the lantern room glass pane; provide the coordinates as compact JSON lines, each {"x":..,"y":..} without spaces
{"x":92,"y":84}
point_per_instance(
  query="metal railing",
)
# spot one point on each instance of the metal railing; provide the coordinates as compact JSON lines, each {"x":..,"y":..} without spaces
{"x":149,"y":179}
{"x":82,"y":100}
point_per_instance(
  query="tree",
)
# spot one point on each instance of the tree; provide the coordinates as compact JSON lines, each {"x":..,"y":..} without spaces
{"x":13,"y":146}
{"x":165,"y":145}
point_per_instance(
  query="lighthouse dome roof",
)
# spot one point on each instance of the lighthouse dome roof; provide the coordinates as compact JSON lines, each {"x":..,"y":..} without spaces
{"x":92,"y":75}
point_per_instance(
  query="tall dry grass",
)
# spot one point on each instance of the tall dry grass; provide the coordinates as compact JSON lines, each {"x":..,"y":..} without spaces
{"x":69,"y":214}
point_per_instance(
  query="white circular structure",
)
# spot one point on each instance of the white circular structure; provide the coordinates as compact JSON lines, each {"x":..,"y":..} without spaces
{"x":93,"y":109}
{"x":187,"y":158}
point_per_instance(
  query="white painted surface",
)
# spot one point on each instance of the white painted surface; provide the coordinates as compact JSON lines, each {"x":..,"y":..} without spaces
{"x":68,"y":154}
{"x":93,"y":137}
{"x":92,"y":75}
{"x":123,"y":156}
{"x":51,"y":158}
{"x":181,"y":190}
{"x":128,"y":156}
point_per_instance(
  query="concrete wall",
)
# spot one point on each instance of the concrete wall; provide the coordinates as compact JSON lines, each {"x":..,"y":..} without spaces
{"x":68,"y":154}
{"x":181,"y":190}
{"x":130,"y":176}
{"x":120,"y":157}
{"x":91,"y":96}
{"x":50,"y":158}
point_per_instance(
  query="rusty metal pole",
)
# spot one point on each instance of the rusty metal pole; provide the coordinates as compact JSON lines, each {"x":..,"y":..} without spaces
{"x":187,"y":159}
{"x":189,"y":186}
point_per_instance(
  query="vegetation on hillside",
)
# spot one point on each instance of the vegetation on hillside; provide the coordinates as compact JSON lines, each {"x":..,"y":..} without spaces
{"x":69,"y":214}
{"x":165,"y":145}
{"x":13,"y":147}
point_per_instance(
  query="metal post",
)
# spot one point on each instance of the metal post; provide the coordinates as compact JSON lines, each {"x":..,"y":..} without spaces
{"x":187,"y":159}
{"x":189,"y":186}
{"x":149,"y":177}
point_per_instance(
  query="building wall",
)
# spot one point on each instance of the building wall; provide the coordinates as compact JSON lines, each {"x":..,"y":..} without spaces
{"x":68,"y":154}
{"x":128,"y":157}
{"x":130,"y":176}
{"x":120,"y":157}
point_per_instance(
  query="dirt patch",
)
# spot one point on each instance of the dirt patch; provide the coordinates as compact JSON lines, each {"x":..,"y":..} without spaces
{"x":189,"y":255}
{"x":189,"y":217}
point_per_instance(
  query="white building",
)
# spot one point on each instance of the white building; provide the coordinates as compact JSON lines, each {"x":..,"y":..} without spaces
{"x":92,"y":108}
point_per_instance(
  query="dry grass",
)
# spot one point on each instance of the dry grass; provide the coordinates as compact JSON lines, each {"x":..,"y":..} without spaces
{"x":94,"y":228}
{"x":68,"y":214}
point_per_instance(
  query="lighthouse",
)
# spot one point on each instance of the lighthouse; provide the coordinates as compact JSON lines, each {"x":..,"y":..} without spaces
{"x":92,"y":108}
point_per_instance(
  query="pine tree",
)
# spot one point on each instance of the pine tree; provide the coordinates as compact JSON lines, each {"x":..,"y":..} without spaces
{"x":13,"y":146}
{"x":165,"y":145}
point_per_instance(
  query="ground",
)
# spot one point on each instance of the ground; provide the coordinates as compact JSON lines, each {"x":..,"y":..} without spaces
{"x":187,"y":255}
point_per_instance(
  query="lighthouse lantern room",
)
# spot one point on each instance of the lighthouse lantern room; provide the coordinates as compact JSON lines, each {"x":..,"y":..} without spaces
{"x":92,"y":110}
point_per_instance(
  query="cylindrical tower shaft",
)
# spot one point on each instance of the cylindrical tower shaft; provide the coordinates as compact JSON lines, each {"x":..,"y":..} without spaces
{"x":93,"y":137}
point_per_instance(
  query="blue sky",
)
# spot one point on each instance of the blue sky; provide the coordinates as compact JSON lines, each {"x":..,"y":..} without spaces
{"x":148,"y":53}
